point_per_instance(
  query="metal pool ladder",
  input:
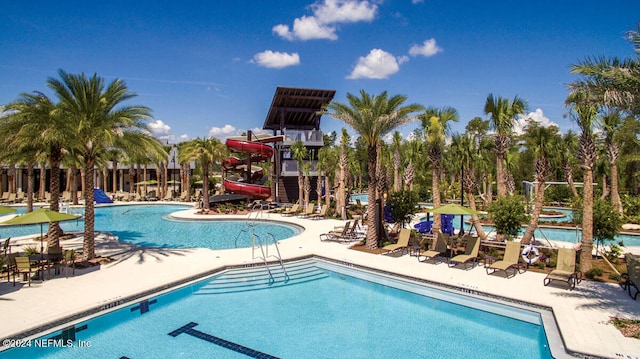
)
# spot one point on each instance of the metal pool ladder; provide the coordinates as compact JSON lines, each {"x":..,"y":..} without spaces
{"x":264,"y":249}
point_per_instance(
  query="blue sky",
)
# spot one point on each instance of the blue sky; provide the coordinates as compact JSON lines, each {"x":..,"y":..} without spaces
{"x":210,"y":68}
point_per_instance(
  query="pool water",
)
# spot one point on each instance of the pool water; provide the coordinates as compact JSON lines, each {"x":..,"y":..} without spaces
{"x":335,"y":316}
{"x":149,"y":225}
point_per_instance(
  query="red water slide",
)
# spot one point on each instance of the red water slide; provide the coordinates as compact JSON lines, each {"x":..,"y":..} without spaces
{"x":259,"y":152}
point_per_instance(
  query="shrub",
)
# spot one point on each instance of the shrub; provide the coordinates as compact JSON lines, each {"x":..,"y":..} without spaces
{"x":30,"y":250}
{"x":403,"y":204}
{"x":614,"y":276}
{"x":508,"y":214}
{"x":593,"y":272}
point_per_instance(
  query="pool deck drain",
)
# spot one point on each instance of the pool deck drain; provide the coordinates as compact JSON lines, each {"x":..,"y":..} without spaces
{"x":582,"y":314}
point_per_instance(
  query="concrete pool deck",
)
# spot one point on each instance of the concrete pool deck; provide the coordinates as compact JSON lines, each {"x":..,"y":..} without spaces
{"x":582,"y":315}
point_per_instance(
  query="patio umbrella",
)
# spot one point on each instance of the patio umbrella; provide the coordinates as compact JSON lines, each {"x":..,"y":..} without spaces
{"x":454,"y":209}
{"x":6,"y":210}
{"x":41,"y":216}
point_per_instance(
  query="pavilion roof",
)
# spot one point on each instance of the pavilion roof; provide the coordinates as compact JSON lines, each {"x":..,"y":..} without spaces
{"x":297,"y":108}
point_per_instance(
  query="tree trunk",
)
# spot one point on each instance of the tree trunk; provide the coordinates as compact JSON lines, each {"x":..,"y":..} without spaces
{"x":475,"y":218}
{"x":435,"y":185}
{"x":319,"y":188}
{"x":371,"y":237}
{"x":569,"y":171}
{"x":587,"y":221}
{"x":537,"y":209}
{"x":605,"y":188}
{"x":53,"y":235}
{"x":88,"y":245}
{"x":30,"y":180}
{"x":500,"y":175}
{"x":615,"y":193}
{"x":114,"y":174}
{"x":327,"y":190}
{"x":43,"y":182}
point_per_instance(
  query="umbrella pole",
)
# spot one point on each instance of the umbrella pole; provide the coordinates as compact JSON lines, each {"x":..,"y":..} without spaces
{"x":41,"y":243}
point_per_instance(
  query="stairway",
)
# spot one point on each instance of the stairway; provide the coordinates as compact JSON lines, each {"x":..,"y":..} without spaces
{"x":257,"y":278}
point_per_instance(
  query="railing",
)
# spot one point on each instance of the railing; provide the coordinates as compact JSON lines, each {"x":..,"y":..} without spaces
{"x":290,"y":168}
{"x":309,"y":137}
{"x":264,"y":249}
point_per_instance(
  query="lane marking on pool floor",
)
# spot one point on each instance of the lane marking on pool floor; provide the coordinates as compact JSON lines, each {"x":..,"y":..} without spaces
{"x":188,"y":329}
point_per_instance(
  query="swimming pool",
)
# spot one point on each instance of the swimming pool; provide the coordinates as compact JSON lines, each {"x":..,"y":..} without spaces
{"x":150,"y":225}
{"x":331,"y":311}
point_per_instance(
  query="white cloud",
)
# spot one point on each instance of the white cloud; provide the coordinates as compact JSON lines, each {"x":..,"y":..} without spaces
{"x":537,"y":116}
{"x":228,"y":130}
{"x":427,"y":49}
{"x":378,"y":64}
{"x":221,"y":132}
{"x":276,"y":60}
{"x":159,"y":129}
{"x":325,"y":14}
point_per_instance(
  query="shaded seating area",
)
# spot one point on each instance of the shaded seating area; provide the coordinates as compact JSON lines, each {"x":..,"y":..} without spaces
{"x":632,"y":277}
{"x":403,"y":242}
{"x":470,"y":255}
{"x":509,"y":263}
{"x":566,"y":269}
{"x":439,"y":251}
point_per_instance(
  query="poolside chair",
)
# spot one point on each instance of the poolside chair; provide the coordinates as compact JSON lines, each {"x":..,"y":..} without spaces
{"x":565,"y":269}
{"x":321,"y":215}
{"x":338,"y":234}
{"x":470,"y":254}
{"x":440,"y":248}
{"x":402,"y":244}
{"x":510,"y":261}
{"x":23,"y":266}
{"x":291,"y":211}
{"x":632,"y":277}
{"x":55,"y":258}
{"x":308,"y":212}
{"x":69,"y":260}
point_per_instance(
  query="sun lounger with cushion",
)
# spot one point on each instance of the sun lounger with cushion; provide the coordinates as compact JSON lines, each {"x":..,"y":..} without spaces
{"x":321,"y":215}
{"x":440,"y":248}
{"x":402,"y":244}
{"x":510,"y":261}
{"x":338,"y":234}
{"x":291,"y":211}
{"x":565,"y":269}
{"x":308,"y":212}
{"x":470,"y":254}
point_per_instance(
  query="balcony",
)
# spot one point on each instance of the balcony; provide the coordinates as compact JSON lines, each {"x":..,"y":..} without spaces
{"x":290,"y":168}
{"x":311,"y":138}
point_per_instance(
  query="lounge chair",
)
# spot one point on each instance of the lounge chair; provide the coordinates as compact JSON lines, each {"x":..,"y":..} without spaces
{"x":338,"y":234}
{"x":565,"y":269}
{"x":69,"y":260}
{"x":308,"y":212}
{"x":440,"y":248}
{"x":632,"y":277}
{"x":23,"y":266}
{"x":55,"y":257}
{"x":402,"y":244}
{"x":470,"y":254}
{"x":291,"y":211}
{"x":510,"y":261}
{"x":321,"y":215}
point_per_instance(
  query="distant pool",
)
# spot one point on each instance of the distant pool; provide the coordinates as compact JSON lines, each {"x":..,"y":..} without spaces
{"x":149,"y":225}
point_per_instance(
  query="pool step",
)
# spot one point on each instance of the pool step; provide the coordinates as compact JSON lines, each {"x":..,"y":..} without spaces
{"x":256,"y":278}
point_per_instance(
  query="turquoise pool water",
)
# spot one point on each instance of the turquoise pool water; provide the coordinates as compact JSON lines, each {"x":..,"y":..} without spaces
{"x":343,"y":313}
{"x":149,"y":225}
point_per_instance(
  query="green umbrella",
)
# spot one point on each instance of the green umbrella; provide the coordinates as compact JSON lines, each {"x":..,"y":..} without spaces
{"x":41,"y":216}
{"x":452,"y":208}
{"x":6,"y":210}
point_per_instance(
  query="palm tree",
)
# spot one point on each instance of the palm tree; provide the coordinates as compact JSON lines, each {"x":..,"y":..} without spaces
{"x":397,"y":161}
{"x":467,"y":146}
{"x":567,"y":148}
{"x":435,"y":123}
{"x":373,"y":116}
{"x":541,"y":140}
{"x":97,"y":122}
{"x":326,"y":164}
{"x":611,"y":123}
{"x":300,"y":153}
{"x":35,"y":119}
{"x":206,"y":152}
{"x":585,"y":116}
{"x":343,"y":162}
{"x":502,"y":114}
